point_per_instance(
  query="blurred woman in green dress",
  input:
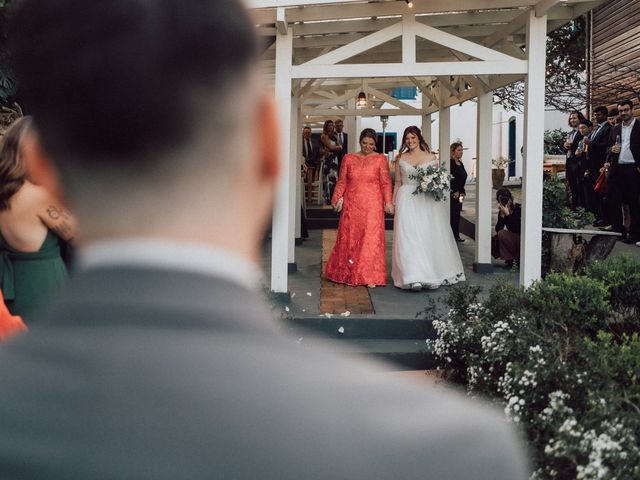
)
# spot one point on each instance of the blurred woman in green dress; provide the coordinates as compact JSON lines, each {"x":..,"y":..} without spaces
{"x":33,"y":225}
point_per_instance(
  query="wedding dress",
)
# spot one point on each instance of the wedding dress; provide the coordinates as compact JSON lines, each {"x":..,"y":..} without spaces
{"x":424,"y":249}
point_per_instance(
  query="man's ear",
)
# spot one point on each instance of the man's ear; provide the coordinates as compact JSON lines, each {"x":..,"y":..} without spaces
{"x":268,"y":138}
{"x":41,"y":170}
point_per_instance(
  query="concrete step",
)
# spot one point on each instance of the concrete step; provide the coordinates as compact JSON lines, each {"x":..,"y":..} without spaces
{"x":400,"y":341}
{"x":365,"y":327}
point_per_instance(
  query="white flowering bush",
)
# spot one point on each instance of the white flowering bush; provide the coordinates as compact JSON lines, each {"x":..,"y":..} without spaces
{"x":549,"y":356}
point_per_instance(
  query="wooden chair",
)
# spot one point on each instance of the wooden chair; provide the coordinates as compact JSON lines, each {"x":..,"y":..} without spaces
{"x":313,"y":185}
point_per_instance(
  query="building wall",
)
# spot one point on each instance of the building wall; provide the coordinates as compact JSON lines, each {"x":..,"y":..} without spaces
{"x":615,"y":53}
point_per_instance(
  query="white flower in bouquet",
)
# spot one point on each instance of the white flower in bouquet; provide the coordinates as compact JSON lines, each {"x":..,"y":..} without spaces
{"x":432,"y":180}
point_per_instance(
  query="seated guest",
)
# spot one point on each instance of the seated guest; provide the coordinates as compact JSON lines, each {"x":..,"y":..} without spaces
{"x":508,"y":227}
{"x":33,"y":226}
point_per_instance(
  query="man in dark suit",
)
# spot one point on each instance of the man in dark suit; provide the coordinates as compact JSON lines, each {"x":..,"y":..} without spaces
{"x":160,"y":361}
{"x":596,"y":152}
{"x":310,"y":148}
{"x":574,"y":163}
{"x":624,"y":172}
{"x":343,"y":141}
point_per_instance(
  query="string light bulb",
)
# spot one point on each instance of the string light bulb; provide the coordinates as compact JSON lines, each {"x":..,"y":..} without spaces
{"x":409,"y":3}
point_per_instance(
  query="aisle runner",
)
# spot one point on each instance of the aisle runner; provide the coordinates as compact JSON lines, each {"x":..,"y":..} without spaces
{"x":337,"y":298}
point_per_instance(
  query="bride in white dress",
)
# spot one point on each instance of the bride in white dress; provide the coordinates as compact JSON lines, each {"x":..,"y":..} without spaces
{"x":425,"y":254}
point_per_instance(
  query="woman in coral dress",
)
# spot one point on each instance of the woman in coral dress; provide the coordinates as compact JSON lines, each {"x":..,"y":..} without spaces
{"x":363,"y":192}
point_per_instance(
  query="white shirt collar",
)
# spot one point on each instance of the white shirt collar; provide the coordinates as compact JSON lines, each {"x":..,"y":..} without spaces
{"x":171,"y":255}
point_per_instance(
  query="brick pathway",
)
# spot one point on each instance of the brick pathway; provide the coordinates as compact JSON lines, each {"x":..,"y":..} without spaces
{"x":335,"y":297}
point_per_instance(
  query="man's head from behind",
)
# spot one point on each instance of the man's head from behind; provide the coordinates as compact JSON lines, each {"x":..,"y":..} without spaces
{"x":143,"y":96}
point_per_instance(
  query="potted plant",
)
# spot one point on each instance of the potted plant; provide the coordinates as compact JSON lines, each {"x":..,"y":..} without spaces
{"x":498,"y":166}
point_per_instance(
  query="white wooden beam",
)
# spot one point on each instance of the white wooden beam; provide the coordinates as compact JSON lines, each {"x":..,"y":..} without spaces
{"x":281,"y":21}
{"x":460,"y":44}
{"x":543,"y":6}
{"x":408,"y":38}
{"x":362,"y":112}
{"x":446,"y":83}
{"x":359,"y":46}
{"x":411,"y":70}
{"x":391,"y":100}
{"x":531,"y":232}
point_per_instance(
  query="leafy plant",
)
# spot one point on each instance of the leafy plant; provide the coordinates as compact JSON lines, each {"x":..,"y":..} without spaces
{"x":554,"y":141}
{"x":548,"y":356}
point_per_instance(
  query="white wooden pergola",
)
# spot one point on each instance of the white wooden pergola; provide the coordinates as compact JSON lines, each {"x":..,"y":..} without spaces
{"x":328,"y":51}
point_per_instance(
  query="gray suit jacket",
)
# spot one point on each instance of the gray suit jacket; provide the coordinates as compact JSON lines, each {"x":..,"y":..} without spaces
{"x":140,"y":373}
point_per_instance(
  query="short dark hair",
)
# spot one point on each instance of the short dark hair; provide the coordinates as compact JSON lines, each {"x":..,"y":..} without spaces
{"x":613,"y":112}
{"x":627,"y":102}
{"x":586,"y":122}
{"x":123,"y":80}
{"x":368,"y":133}
{"x":601,"y":109}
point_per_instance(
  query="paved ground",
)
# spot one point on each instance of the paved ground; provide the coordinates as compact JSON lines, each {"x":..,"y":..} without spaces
{"x":312,"y":296}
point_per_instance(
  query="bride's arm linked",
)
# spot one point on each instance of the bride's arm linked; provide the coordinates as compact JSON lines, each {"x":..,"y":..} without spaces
{"x":398,"y":180}
{"x":385,"y":184}
{"x":341,"y":185}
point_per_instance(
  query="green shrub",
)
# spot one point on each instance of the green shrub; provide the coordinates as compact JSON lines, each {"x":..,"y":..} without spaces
{"x":621,"y":277}
{"x":547,"y":355}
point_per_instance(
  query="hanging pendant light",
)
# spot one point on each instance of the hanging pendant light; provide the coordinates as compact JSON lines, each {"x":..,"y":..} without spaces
{"x":361,"y":101}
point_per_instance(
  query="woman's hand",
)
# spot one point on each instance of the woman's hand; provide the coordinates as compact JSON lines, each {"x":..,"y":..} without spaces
{"x":338,"y":205}
{"x":505,"y":211}
{"x":456,"y":195}
{"x":389,"y":208}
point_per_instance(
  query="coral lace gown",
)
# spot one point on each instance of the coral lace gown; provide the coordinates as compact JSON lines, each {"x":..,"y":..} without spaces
{"x":358,"y":257}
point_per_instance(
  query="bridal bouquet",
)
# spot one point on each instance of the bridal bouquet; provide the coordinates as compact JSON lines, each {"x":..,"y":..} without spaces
{"x":433,"y":180}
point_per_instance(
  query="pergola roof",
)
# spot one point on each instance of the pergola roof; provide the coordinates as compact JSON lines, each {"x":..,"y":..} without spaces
{"x":326,"y":51}
{"x":457,"y":38}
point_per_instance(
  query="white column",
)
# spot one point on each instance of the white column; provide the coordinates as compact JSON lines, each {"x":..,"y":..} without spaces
{"x":531,"y":233}
{"x":352,"y":127}
{"x":484,"y":138}
{"x":294,"y":175}
{"x":426,"y":127}
{"x":280,"y":225}
{"x":444,"y":134}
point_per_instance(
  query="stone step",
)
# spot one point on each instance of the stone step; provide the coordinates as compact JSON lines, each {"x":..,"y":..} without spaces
{"x":363,"y":327}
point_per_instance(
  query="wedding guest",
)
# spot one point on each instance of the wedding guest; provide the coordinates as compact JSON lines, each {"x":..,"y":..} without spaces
{"x":459,"y":175}
{"x":624,"y":175}
{"x":584,"y":127}
{"x":343,"y":141}
{"x":573,"y":163}
{"x":596,"y":152}
{"x":330,"y":159}
{"x":160,"y":360}
{"x":33,"y":225}
{"x":613,"y":117}
{"x":424,"y":252}
{"x":363,"y":193}
{"x":311,"y":155}
{"x":508,"y":227}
